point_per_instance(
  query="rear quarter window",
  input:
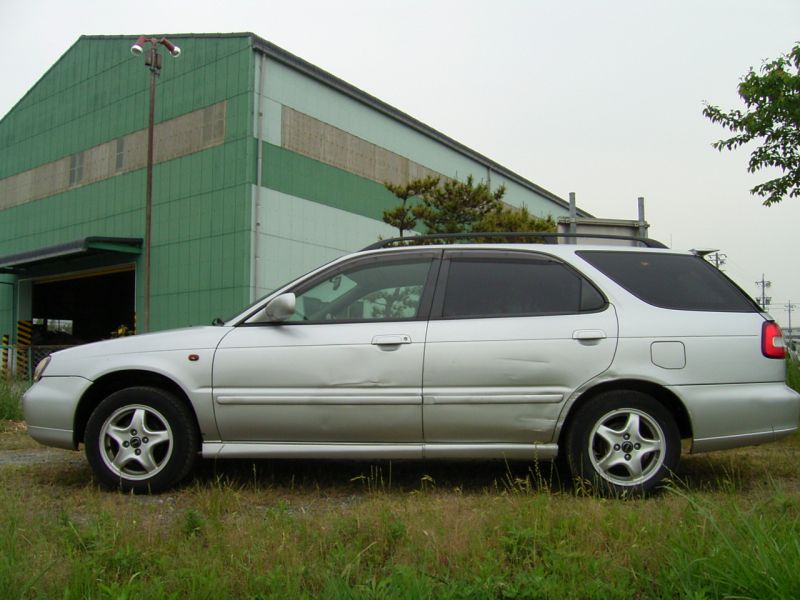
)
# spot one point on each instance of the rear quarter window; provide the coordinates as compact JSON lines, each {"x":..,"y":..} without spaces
{"x":675,"y":281}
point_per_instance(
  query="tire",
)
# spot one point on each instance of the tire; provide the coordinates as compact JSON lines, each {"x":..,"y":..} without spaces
{"x":623,"y":443}
{"x":141,"y":439}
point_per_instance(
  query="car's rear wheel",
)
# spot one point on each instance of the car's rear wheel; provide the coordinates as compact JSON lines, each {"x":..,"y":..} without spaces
{"x":141,"y":439}
{"x":622,"y":443}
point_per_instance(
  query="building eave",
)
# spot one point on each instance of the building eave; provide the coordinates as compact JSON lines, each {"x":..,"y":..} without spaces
{"x":21,"y":262}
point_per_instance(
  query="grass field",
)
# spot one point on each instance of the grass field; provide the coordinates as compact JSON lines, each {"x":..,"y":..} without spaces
{"x":728,"y":526}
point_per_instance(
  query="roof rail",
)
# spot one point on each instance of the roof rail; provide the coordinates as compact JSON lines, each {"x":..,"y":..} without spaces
{"x":549,"y":237}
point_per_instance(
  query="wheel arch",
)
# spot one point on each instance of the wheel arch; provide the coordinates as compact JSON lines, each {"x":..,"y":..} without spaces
{"x":118,"y":380}
{"x":661,"y":394}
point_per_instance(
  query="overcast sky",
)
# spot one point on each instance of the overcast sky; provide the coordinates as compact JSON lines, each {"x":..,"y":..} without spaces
{"x":599,"y":98}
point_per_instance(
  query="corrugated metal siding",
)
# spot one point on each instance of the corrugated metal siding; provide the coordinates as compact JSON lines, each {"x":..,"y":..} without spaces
{"x":300,"y":235}
{"x":98,"y":92}
{"x":298,"y":175}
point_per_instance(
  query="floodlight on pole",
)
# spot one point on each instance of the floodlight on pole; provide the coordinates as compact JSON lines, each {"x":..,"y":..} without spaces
{"x":138,"y":46}
{"x":171,"y":48}
{"x":153,"y":62}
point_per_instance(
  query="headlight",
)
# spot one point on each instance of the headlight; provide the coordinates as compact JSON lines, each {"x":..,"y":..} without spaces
{"x":39,"y":371}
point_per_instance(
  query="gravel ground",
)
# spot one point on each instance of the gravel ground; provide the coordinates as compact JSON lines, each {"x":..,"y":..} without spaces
{"x":16,"y":448}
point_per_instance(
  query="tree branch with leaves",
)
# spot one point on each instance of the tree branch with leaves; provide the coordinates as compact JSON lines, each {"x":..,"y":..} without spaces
{"x":459,"y":207}
{"x":772,"y":117}
{"x":402,"y":216}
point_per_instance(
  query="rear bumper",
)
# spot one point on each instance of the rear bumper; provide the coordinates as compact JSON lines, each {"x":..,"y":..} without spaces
{"x":729,"y":416}
{"x":49,"y":408}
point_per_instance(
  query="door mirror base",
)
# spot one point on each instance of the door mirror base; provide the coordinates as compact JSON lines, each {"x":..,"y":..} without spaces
{"x":278,"y":309}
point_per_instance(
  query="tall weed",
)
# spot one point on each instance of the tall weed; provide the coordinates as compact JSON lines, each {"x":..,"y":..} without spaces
{"x":793,"y":374}
{"x":10,"y":399}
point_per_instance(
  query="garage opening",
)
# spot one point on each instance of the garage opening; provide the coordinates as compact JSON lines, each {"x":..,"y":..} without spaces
{"x":83,"y":308}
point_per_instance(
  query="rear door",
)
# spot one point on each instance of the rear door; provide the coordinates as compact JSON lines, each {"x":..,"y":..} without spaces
{"x":512,"y":334}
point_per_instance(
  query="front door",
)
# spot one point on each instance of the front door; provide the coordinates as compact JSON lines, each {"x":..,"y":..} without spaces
{"x":345,"y":367}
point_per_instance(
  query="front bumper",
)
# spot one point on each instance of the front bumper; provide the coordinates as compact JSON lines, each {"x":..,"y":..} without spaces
{"x":729,"y":416}
{"x":49,"y":408}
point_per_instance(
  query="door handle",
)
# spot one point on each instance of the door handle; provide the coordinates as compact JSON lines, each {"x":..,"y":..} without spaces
{"x":391,"y":340}
{"x":588,"y":334}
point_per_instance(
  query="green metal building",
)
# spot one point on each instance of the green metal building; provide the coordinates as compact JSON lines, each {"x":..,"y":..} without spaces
{"x":265,"y":166}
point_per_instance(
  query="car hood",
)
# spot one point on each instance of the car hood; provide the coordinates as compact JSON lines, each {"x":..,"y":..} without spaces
{"x":195,"y":339}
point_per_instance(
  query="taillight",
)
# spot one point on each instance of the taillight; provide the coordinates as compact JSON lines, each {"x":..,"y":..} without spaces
{"x":772,"y":345}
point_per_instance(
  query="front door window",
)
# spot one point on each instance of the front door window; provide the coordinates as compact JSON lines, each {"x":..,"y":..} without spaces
{"x":366,"y":292}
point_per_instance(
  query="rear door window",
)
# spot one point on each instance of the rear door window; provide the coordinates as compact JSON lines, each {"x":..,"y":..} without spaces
{"x":675,"y":281}
{"x":512,"y":285}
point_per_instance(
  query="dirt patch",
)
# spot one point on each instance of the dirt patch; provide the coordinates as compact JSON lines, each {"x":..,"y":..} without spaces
{"x":34,"y":456}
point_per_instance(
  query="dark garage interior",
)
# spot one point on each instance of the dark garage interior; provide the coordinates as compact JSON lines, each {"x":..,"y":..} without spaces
{"x":83,"y":309}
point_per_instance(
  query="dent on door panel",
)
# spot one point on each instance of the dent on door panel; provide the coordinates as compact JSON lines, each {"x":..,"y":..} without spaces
{"x":505,"y":379}
{"x":320,"y":383}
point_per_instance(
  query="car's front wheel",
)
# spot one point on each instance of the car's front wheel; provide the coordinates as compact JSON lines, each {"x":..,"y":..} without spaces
{"x":141,"y":439}
{"x":623,"y":442}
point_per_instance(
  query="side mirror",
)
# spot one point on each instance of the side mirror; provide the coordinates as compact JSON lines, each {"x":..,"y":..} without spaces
{"x":278,"y":309}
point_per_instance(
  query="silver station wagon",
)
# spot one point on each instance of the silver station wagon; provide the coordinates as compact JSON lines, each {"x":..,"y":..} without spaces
{"x":607,"y":355}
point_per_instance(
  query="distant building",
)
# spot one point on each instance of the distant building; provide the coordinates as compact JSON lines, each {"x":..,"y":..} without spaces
{"x":265,"y":167}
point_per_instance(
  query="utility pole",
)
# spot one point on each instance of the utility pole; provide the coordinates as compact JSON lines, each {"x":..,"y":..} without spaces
{"x":153,"y":62}
{"x":763,"y":284}
{"x":718,"y":259}
{"x":789,"y":306}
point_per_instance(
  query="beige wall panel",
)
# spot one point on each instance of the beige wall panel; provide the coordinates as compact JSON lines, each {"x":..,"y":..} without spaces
{"x":135,"y":151}
{"x":95,"y":166}
{"x":192,"y":132}
{"x":391,"y":167}
{"x":54,"y":175}
{"x":338,"y":148}
{"x":111,"y":160}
